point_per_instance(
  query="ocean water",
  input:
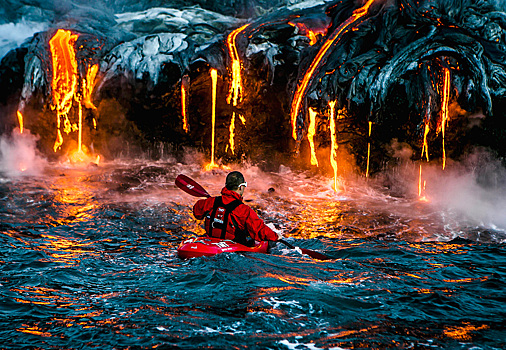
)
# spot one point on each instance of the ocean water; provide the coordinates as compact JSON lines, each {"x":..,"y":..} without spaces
{"x":88,"y":260}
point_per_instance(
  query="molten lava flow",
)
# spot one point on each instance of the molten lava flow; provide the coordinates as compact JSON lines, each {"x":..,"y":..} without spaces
{"x":88,"y":86}
{"x":333,"y":139}
{"x":214,"y":78}
{"x":235,"y":92}
{"x":368,"y":150}
{"x":444,"y":109}
{"x":184,"y":99}
{"x":20,"y":121}
{"x":310,"y":135}
{"x":232,"y":126}
{"x":421,"y":187}
{"x":64,"y":82}
{"x":320,"y":57}
{"x":309,"y":33}
{"x":425,"y":147}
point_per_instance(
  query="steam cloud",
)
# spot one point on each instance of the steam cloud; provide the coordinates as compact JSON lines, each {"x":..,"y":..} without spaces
{"x":19,"y":155}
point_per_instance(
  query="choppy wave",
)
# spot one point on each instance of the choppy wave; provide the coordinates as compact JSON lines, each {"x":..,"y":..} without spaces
{"x":89,"y":260}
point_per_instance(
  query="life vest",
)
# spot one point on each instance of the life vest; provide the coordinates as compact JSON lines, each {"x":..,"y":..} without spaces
{"x":219,"y":220}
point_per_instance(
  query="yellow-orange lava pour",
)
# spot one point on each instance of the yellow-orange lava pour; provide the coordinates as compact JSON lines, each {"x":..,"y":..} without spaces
{"x":425,"y":146}
{"x":421,"y":186}
{"x":214,"y":78}
{"x":66,"y":88}
{"x":444,"y":109}
{"x":184,"y":107}
{"x":235,"y":92}
{"x":333,"y":139}
{"x":368,"y":151}
{"x":236,"y":88}
{"x":64,"y":82}
{"x":320,"y":57}
{"x":20,"y":121}
{"x":310,"y":135}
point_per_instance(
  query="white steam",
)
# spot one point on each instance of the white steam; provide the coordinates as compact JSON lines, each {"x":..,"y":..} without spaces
{"x":475,"y":189}
{"x":12,"y":35}
{"x":19,"y":155}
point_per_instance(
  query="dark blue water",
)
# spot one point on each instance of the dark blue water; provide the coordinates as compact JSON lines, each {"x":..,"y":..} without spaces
{"x":88,"y":260}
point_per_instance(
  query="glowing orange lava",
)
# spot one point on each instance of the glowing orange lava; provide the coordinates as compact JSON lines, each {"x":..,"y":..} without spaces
{"x":320,"y":57}
{"x":20,"y":121}
{"x":64,"y":82}
{"x":67,"y":89}
{"x":310,"y":135}
{"x":333,"y":138}
{"x":184,"y":104}
{"x":231,"y":129}
{"x":236,"y":88}
{"x":368,"y":151}
{"x":214,"y":78}
{"x":235,"y":92}
{"x":421,"y":187}
{"x":444,"y":109}
{"x":310,"y":33}
{"x":425,"y":147}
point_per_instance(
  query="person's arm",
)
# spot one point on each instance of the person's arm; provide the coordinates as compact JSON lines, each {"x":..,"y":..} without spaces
{"x":201,"y":208}
{"x":257,"y":228}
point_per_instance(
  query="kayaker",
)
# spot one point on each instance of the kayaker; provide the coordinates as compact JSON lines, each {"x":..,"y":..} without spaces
{"x":227,"y":217}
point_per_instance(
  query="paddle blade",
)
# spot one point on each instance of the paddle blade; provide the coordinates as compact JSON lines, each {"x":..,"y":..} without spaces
{"x":314,"y":255}
{"x":311,"y":253}
{"x":191,"y":187}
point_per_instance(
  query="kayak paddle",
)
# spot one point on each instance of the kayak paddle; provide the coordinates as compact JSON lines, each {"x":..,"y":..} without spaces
{"x":192,"y":187}
{"x":311,"y":253}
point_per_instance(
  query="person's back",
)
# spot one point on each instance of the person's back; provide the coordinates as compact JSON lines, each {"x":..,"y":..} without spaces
{"x":228,"y":217}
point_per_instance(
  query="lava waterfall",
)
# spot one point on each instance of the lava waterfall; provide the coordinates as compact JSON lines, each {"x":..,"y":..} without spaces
{"x":311,"y":79}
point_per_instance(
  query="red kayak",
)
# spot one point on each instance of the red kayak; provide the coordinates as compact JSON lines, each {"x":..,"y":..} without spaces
{"x":209,"y":246}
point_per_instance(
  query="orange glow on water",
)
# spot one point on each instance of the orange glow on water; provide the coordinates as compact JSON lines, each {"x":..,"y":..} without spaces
{"x":20,"y":121}
{"x":310,"y":135}
{"x":214,"y":78}
{"x":462,"y":333}
{"x":320,"y":57}
{"x":444,"y":109}
{"x":64,"y":82}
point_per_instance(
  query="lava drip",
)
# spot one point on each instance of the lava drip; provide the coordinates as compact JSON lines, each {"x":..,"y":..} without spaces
{"x":236,"y":88}
{"x":368,"y":150}
{"x":64,"y":82}
{"x":20,"y":121}
{"x":67,"y":89}
{"x":319,"y":59}
{"x":333,"y":139}
{"x":310,"y":135}
{"x":214,"y":79}
{"x":444,"y":109}
{"x":185,"y":84}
